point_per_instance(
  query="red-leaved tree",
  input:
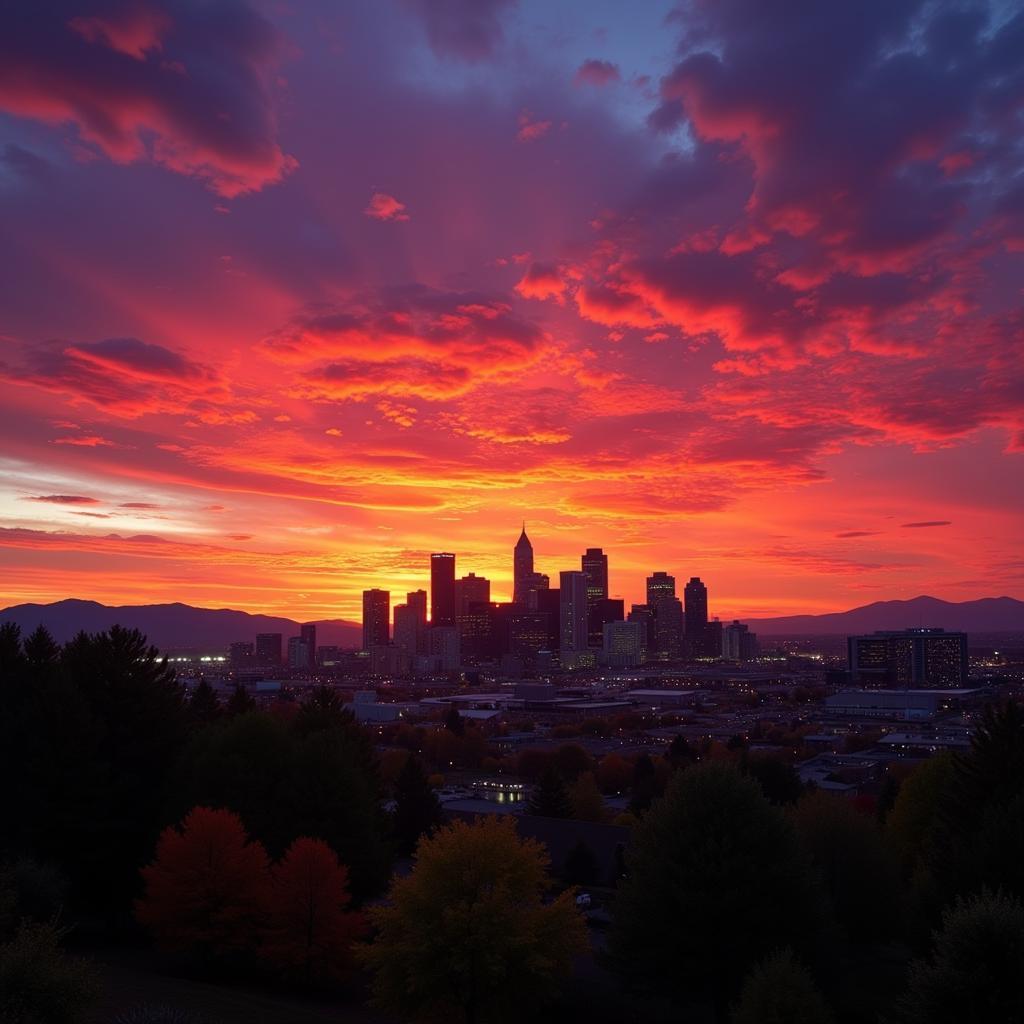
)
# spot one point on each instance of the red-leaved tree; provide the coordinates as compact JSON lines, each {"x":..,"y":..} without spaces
{"x":207,"y":886}
{"x":308,"y":928}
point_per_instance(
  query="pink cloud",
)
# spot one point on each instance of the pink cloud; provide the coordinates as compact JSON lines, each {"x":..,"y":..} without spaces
{"x":181,"y":85}
{"x":597,"y":72}
{"x":531,"y":129}
{"x":385,"y":207}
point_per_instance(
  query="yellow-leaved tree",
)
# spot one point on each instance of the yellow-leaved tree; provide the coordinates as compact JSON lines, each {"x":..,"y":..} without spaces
{"x":468,"y":935}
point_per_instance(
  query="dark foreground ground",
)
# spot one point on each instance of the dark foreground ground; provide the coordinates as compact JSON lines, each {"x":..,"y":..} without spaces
{"x":132,"y":978}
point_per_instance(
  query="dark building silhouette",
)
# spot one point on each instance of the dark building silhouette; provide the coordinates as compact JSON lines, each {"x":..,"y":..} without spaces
{"x":696,"y":600}
{"x":376,"y":616}
{"x":522,"y":568}
{"x":575,"y":639}
{"x":299,"y":654}
{"x":595,"y":564}
{"x":549,"y":602}
{"x":642,"y":613}
{"x":668,"y":629}
{"x":479,"y":635}
{"x":307,"y":634}
{"x":738,"y":643}
{"x":417,"y":601}
{"x":713,"y":639}
{"x":535,"y":582}
{"x":530,"y":633}
{"x":925,"y":658}
{"x":599,"y":614}
{"x":659,"y":585}
{"x":409,"y":630}
{"x":698,"y":640}
{"x":241,"y":655}
{"x":442,"y":589}
{"x":470,"y":590}
{"x":269,"y":649}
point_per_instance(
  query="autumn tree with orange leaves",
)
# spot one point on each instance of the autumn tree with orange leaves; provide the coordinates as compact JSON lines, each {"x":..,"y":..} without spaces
{"x":308,"y":929}
{"x":206,"y":886}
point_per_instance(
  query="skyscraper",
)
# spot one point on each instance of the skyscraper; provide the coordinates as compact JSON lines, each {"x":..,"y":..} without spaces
{"x":408,"y":629}
{"x":442,"y":589}
{"x":695,"y":596}
{"x":595,"y":564}
{"x":417,"y":601}
{"x":376,"y":616}
{"x":307,"y":634}
{"x":659,"y":585}
{"x":601,"y":612}
{"x":269,"y":649}
{"x":738,"y":643}
{"x":298,"y":654}
{"x":471,"y":589}
{"x":668,"y":629}
{"x":522,"y":568}
{"x":573,"y":614}
{"x":623,"y":644}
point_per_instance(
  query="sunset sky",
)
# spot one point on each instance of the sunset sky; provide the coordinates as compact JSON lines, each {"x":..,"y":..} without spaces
{"x":294,"y":293}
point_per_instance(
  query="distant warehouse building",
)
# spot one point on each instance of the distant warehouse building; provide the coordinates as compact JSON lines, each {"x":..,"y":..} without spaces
{"x":925,"y":658}
{"x":898,"y":705}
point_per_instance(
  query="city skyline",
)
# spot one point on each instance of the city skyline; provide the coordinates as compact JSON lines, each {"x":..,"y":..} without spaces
{"x":729,"y":292}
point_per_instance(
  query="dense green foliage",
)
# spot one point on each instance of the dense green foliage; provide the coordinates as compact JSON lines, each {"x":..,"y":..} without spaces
{"x":781,"y":991}
{"x":550,"y":797}
{"x":90,"y":731}
{"x":417,"y":810}
{"x":859,"y":876}
{"x":973,"y":973}
{"x":39,"y":983}
{"x":467,"y":936}
{"x":314,"y":777}
{"x":716,"y":879}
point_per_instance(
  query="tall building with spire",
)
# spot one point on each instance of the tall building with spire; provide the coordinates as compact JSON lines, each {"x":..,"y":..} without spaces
{"x":522,"y":569}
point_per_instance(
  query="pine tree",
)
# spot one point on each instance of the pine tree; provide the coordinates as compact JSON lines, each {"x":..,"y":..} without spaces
{"x":203,"y":706}
{"x":716,"y":880}
{"x":240,"y":703}
{"x":781,"y":991}
{"x":549,"y":798}
{"x":417,"y":809}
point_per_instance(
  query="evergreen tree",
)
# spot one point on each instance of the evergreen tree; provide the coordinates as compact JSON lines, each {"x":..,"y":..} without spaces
{"x":716,"y":880}
{"x":580,"y":866}
{"x":283,"y":784}
{"x":680,"y":754}
{"x":417,"y":809}
{"x":322,"y":709}
{"x":239,"y":703}
{"x":778,"y":780}
{"x":203,"y":705}
{"x":780,"y":991}
{"x":861,"y":878}
{"x":979,"y":839}
{"x":973,"y":975}
{"x":645,"y":783}
{"x":586,"y":799}
{"x":549,"y":798}
{"x":453,"y":721}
